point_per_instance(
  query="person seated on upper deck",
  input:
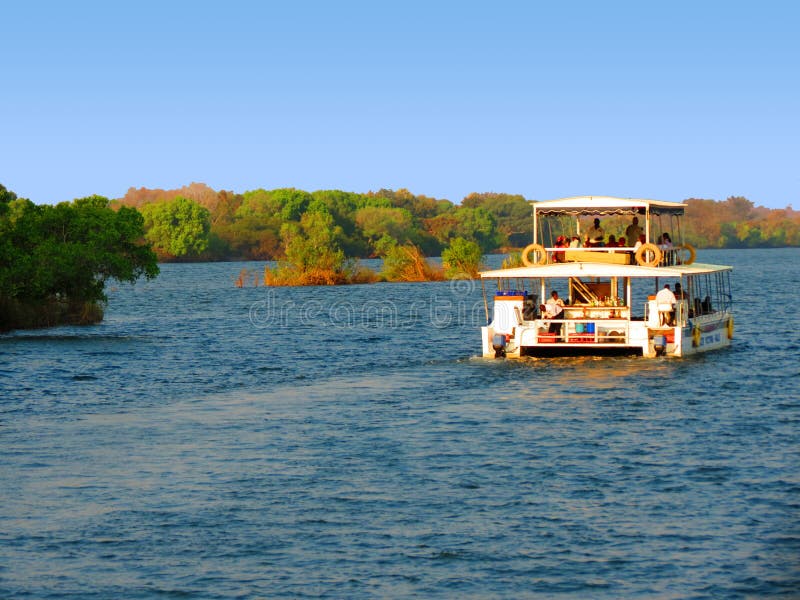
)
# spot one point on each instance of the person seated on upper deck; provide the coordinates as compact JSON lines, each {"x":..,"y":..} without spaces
{"x":706,"y":306}
{"x":665,"y":303}
{"x":621,"y":242}
{"x":575,"y":242}
{"x":679,"y":293}
{"x":633,"y":231}
{"x":612,"y":241}
{"x":561,"y":242}
{"x":595,"y":235}
{"x":553,"y":309}
{"x":639,"y":243}
{"x":665,"y":243}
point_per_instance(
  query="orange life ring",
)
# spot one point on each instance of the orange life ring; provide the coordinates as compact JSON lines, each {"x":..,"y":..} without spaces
{"x":539,"y":249}
{"x":692,"y":254}
{"x":640,"y":255}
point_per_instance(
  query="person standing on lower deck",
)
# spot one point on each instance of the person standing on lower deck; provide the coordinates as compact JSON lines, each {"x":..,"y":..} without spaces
{"x":554,"y":309}
{"x":665,"y":303}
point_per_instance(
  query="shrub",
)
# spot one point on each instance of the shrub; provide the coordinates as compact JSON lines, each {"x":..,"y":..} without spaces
{"x":462,"y":259}
{"x":407,"y":263}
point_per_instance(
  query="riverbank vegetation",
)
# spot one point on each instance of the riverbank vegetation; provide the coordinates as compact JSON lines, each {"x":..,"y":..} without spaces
{"x":198,"y":223}
{"x":56,"y":260}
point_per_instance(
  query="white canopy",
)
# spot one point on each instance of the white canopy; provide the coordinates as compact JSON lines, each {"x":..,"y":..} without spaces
{"x":584,"y":269}
{"x":599,"y":205}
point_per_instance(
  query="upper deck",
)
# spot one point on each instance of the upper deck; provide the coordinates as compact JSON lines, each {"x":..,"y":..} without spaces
{"x":562,"y":232}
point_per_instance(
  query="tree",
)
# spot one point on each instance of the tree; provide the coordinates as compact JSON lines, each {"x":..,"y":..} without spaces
{"x":475,"y":224}
{"x":56,"y":260}
{"x":376,"y":222}
{"x":462,"y":259}
{"x":177,"y":228}
{"x":511,"y":211}
{"x":313,"y":253}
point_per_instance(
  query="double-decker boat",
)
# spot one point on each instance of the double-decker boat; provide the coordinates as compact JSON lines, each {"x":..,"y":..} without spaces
{"x":611,"y":299}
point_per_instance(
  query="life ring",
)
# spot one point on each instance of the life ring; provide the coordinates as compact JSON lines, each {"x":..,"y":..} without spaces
{"x":696,"y":333}
{"x":539,"y":249}
{"x":640,"y":256}
{"x":692,"y":254}
{"x":730,"y":328}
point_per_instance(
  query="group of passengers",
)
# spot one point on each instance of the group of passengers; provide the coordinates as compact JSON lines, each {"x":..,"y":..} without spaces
{"x":634,"y":235}
{"x":665,"y":304}
{"x":595,"y":238}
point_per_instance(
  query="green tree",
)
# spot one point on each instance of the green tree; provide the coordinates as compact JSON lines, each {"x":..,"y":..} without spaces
{"x":462,"y":259}
{"x":376,"y":222}
{"x":56,"y":260}
{"x":178,"y":228}
{"x":511,"y":211}
{"x":475,"y":224}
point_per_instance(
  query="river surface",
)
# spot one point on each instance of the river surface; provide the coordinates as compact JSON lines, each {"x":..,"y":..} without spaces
{"x":209,"y":441}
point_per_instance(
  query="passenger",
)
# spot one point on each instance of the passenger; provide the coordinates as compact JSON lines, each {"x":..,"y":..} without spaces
{"x":679,"y":293}
{"x":612,"y":241}
{"x":707,"y":309}
{"x":639,"y":243}
{"x":576,"y":242}
{"x":665,"y":243}
{"x":529,"y":312}
{"x":561,"y":242}
{"x":633,"y":231}
{"x":553,"y":309}
{"x":621,"y":242}
{"x":665,"y":303}
{"x":595,"y":235}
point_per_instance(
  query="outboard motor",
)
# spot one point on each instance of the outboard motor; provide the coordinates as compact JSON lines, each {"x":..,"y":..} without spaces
{"x":660,"y":344}
{"x":499,"y":345}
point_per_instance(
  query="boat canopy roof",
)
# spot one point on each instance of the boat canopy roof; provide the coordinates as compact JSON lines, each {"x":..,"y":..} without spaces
{"x":585,"y":269}
{"x":607,"y":205}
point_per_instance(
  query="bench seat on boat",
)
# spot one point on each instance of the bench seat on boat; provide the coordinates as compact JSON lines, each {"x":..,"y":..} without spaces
{"x":603,"y":256}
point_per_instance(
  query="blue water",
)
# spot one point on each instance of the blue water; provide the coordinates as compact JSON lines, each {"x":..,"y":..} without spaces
{"x":207,"y":441}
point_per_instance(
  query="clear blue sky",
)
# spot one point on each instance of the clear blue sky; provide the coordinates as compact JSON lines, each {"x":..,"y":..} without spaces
{"x":546,"y":99}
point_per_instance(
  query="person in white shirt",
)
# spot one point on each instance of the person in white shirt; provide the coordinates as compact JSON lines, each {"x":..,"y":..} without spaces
{"x":554,"y":309}
{"x":595,"y":236}
{"x":665,"y":302}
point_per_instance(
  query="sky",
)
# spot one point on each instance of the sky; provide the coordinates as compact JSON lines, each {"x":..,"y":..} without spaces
{"x":663,"y":100}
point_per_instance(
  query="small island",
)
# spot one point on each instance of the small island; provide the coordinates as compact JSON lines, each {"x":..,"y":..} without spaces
{"x":55,"y":260}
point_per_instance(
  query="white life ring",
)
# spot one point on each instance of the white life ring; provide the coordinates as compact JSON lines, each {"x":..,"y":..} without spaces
{"x":640,"y":255}
{"x":541,"y":252}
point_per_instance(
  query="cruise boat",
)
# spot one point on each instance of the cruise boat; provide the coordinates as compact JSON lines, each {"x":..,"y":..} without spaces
{"x":610,"y":298}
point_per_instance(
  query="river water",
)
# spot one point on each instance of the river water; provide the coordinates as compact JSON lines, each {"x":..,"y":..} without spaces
{"x":208,"y":441}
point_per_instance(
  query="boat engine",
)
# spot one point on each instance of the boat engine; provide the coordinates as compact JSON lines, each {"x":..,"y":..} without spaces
{"x":660,"y":344}
{"x":499,"y":345}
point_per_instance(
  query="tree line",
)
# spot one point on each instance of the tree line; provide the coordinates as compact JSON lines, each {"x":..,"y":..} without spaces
{"x":198,"y":223}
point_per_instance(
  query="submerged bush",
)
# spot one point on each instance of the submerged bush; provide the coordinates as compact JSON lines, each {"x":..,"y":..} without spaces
{"x":462,"y":259}
{"x":407,"y":263}
{"x":513,"y":260}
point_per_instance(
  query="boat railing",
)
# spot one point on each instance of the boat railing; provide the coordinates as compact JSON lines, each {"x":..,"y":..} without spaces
{"x":667,"y":256}
{"x":611,"y":331}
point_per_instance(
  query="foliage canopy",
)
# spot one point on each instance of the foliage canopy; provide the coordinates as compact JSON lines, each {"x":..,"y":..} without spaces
{"x":56,"y":259}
